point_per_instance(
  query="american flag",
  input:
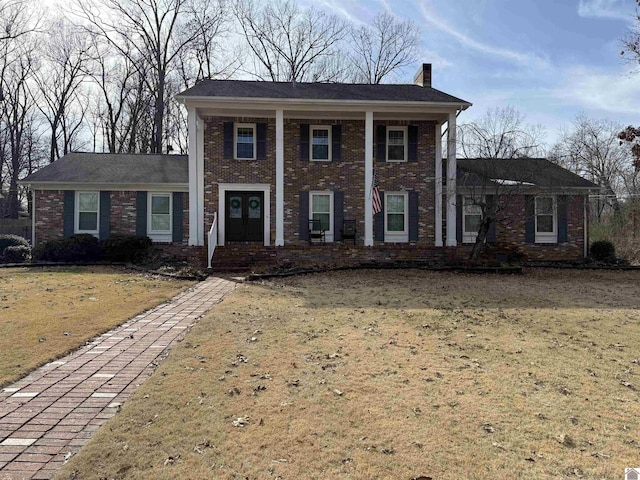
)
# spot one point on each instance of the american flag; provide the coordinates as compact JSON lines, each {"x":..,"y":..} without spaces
{"x":375,"y":195}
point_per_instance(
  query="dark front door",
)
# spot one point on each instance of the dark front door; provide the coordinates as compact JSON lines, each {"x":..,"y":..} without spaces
{"x":244,"y":216}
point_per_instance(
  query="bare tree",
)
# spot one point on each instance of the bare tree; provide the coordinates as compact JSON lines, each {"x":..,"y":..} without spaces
{"x":501,"y":133}
{"x":291,"y":44}
{"x":591,"y":148}
{"x":153,"y":34}
{"x":384,"y":47}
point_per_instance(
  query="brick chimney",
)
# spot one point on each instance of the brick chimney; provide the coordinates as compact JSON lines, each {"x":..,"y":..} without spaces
{"x":423,"y":76}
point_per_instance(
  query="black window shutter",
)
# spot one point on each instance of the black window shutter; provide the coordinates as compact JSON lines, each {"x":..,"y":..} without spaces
{"x":338,"y":215}
{"x":491,"y":233}
{"x":304,"y":144}
{"x":459,"y":218}
{"x":336,"y":143}
{"x":414,"y":216}
{"x":381,"y":143}
{"x":68,"y":213}
{"x":178,"y":214}
{"x":529,"y":219}
{"x":261,"y":135}
{"x":105,"y":215}
{"x":413,"y":143}
{"x":378,"y":220}
{"x":303,"y":215}
{"x":141,"y":214}
{"x":227,"y":132}
{"x":562,"y":219}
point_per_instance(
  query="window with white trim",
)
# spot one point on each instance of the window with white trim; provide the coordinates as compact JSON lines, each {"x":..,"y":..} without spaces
{"x":321,"y":208}
{"x":471,"y":219}
{"x":87,"y":212}
{"x":320,"y":144}
{"x":244,"y":145}
{"x":546,"y":210}
{"x":396,"y":218}
{"x":159,"y":212}
{"x":396,"y":144}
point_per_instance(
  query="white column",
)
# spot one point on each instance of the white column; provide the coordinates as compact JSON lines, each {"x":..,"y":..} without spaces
{"x":368,"y":179}
{"x":279,"y":178}
{"x":202,"y":228}
{"x":438,"y":185}
{"x":193,"y":177}
{"x":451,"y":181}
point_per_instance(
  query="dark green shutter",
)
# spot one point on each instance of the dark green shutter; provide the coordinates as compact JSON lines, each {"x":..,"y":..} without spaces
{"x":413,"y":143}
{"x":336,"y":143}
{"x":304,"y":143}
{"x":178,"y":214}
{"x":378,"y":220}
{"x":491,"y":233}
{"x":414,"y":216}
{"x":105,"y":215}
{"x":227,"y":132}
{"x":381,"y":143}
{"x":338,"y":215}
{"x":68,"y":212}
{"x":303,"y":215}
{"x":261,"y":147}
{"x":459,"y":218}
{"x":141,"y":214}
{"x":529,"y":219}
{"x":563,"y":233}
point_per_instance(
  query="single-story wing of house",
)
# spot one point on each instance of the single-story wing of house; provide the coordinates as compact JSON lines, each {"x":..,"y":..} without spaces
{"x":321,"y":172}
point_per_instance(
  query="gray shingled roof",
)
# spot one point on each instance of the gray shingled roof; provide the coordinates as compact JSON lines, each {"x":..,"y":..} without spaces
{"x":318,"y":91}
{"x":114,"y":168}
{"x":537,"y":171}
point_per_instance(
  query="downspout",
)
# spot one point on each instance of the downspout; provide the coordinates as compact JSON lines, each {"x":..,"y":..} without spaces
{"x":585,"y":227}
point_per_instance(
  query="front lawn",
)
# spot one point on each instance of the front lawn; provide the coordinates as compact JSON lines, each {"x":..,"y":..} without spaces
{"x":392,"y":374}
{"x":47,"y":312}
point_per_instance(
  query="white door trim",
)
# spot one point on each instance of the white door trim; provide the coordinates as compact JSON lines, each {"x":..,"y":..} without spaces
{"x":244,"y":187}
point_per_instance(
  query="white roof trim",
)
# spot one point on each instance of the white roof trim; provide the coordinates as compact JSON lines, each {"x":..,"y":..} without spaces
{"x":122,"y":187}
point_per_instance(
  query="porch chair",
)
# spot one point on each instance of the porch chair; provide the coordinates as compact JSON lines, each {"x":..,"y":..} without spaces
{"x":349,"y":230}
{"x":316,"y":233}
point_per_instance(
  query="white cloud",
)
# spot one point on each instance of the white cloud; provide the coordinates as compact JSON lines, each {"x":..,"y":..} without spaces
{"x":524,"y":58}
{"x":611,"y":9}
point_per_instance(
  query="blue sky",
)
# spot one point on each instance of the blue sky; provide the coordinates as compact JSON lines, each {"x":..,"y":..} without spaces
{"x":550,"y":59}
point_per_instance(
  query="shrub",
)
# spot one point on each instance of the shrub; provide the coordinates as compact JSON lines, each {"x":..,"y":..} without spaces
{"x":126,"y":248}
{"x":603,"y":251}
{"x":7,"y":240}
{"x":16,"y":254}
{"x":77,"y":248}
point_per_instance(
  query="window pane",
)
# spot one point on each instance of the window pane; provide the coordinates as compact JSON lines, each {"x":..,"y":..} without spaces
{"x":321,"y":137}
{"x":324,"y":220}
{"x":544,"y":206}
{"x":544,"y":224}
{"x":396,"y":137}
{"x":245,"y":135}
{"x":235,"y":207}
{"x":321,"y":204}
{"x":320,"y":152}
{"x":395,"y":203}
{"x":160,"y":204}
{"x":244,"y":150}
{"x":160,"y":222}
{"x":472,"y":223}
{"x":88,"y":202}
{"x":395,"y":222}
{"x":88,"y":221}
{"x":396,"y":152}
{"x":254,"y":207}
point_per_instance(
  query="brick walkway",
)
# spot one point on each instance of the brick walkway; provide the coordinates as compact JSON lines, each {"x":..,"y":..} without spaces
{"x":49,"y":415}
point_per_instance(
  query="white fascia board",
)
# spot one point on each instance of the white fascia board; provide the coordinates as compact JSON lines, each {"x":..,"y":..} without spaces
{"x":121,"y":187}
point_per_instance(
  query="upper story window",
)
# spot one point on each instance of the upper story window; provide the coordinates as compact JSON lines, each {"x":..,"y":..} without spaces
{"x":546,"y":220}
{"x":320,"y":143}
{"x":87,"y":208}
{"x":472,"y":217}
{"x":396,"y":225}
{"x":245,"y":141}
{"x":396,"y":144}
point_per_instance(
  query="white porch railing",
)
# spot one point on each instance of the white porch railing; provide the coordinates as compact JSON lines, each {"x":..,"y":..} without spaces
{"x":212,"y":239}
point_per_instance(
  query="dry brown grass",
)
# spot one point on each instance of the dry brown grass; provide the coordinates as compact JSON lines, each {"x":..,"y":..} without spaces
{"x":392,"y":374}
{"x":44,"y":313}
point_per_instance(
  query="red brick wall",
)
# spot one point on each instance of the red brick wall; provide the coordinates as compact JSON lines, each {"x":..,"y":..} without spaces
{"x":49,"y":210}
{"x":123,"y":212}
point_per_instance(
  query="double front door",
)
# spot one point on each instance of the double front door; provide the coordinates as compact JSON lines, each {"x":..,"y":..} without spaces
{"x":244,"y":216}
